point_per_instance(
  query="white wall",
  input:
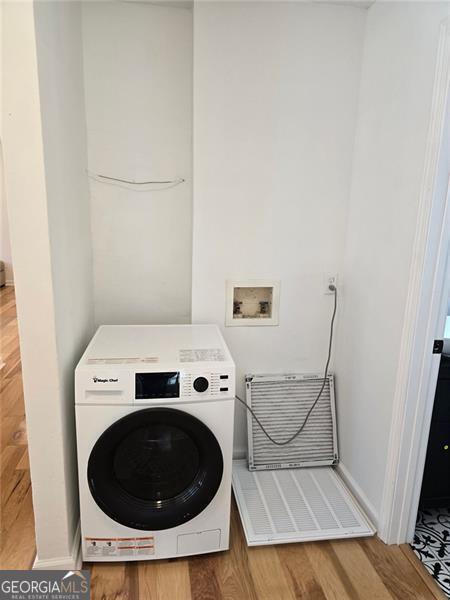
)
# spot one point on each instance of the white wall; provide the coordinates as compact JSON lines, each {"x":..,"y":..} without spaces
{"x":275,"y":101}
{"x":59,"y":51}
{"x":393,"y":119}
{"x":47,"y":192}
{"x":5,"y":245}
{"x":138,"y":80}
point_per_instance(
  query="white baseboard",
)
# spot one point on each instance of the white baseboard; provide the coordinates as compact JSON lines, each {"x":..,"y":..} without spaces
{"x":366,"y":505}
{"x":239,"y":453}
{"x":72,"y":562}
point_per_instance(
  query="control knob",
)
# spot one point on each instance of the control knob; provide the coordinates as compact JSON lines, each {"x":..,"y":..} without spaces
{"x":201,"y":384}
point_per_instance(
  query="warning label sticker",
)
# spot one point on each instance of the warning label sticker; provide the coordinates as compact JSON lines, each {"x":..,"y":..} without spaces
{"x":202,"y":355}
{"x":119,"y":546}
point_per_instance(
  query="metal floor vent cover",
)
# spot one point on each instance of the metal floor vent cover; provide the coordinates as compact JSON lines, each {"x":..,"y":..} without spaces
{"x":296,"y":505}
{"x":281,"y":403}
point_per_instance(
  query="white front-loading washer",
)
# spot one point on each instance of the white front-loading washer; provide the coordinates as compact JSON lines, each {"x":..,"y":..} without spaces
{"x":154,"y":415}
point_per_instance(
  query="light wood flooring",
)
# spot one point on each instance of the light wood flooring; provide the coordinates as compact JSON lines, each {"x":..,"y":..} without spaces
{"x":363,"y":569}
{"x":17,"y":547}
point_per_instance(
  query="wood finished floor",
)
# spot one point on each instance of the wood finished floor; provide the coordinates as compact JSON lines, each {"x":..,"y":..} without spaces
{"x":17,"y":547}
{"x":363,"y":569}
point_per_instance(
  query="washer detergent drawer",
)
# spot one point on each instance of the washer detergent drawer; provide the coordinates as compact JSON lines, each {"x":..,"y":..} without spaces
{"x":197,"y":543}
{"x":114,"y":386}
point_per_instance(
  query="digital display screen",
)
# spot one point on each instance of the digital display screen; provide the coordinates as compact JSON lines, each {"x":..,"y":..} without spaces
{"x":157,"y":385}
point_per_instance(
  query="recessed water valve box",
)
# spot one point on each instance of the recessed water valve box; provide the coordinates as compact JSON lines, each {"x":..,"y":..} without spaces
{"x":252,"y":303}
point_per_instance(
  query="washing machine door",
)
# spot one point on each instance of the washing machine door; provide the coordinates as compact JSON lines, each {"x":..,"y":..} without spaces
{"x":155,"y":469}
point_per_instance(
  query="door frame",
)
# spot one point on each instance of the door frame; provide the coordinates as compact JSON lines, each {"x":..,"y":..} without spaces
{"x":428,"y":292}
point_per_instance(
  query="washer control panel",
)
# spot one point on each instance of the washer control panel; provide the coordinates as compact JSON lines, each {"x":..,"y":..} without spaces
{"x":180,"y":384}
{"x":206,"y":384}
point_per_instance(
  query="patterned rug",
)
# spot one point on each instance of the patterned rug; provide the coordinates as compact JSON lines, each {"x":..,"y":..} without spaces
{"x":432,"y":544}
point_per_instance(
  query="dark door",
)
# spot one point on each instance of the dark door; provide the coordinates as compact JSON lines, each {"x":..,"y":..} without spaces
{"x":436,"y":477}
{"x":155,"y":469}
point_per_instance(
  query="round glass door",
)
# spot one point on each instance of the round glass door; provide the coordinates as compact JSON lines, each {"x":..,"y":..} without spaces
{"x":155,"y":469}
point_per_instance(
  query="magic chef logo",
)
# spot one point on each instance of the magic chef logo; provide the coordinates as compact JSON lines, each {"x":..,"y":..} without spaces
{"x":100,"y":380}
{"x":44,"y":585}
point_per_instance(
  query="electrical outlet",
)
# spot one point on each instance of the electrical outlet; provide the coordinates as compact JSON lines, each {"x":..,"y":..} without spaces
{"x":330,"y":279}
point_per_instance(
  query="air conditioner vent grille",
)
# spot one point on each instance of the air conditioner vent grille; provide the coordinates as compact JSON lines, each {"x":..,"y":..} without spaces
{"x":296,"y":505}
